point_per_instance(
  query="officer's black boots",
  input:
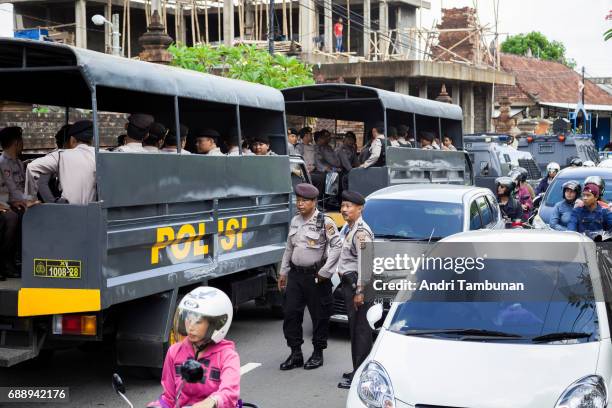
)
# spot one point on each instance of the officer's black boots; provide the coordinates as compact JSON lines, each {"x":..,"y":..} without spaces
{"x":295,"y":360}
{"x":315,"y":361}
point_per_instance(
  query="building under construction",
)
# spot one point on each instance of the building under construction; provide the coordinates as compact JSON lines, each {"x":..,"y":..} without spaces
{"x":455,"y":60}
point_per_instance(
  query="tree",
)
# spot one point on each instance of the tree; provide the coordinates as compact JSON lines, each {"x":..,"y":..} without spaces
{"x":244,"y":62}
{"x":540,"y":47}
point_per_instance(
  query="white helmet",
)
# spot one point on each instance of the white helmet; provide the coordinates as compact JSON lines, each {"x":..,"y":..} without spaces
{"x":605,"y":163}
{"x":208,"y":303}
{"x":553,"y":166}
{"x":588,"y":163}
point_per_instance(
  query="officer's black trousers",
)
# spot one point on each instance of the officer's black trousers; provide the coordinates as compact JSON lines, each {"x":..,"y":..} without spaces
{"x":359,"y":328}
{"x":303,"y":291}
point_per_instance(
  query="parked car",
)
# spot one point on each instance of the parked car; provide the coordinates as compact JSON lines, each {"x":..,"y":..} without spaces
{"x":548,"y":353}
{"x":424,"y":212}
{"x":554,"y":194}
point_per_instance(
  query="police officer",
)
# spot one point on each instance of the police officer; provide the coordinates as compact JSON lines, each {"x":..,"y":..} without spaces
{"x":12,"y":168}
{"x":355,"y":234}
{"x":9,"y":234}
{"x":374,"y":155}
{"x":313,"y":248}
{"x":206,"y":142}
{"x":137,"y":130}
{"x":76,"y":168}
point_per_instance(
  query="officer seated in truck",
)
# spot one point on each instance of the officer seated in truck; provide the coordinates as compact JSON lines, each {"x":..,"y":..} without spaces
{"x":170,"y":140}
{"x":137,"y":130}
{"x":427,"y":141}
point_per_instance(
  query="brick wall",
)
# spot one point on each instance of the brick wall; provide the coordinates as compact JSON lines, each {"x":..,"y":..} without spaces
{"x":39,"y":128}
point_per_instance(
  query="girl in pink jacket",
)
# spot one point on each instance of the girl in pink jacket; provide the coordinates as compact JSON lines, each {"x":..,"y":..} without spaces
{"x":203,"y":316}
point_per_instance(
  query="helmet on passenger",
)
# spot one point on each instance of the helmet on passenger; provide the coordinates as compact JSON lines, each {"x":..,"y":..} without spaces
{"x":572,"y":185}
{"x":507,"y":182}
{"x":553,"y":167}
{"x":204,"y":303}
{"x":588,"y":163}
{"x":598,"y":181}
{"x":518,"y":174}
{"x":575,"y":162}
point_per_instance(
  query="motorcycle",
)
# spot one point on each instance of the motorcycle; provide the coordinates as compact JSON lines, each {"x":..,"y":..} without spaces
{"x":191,"y":372}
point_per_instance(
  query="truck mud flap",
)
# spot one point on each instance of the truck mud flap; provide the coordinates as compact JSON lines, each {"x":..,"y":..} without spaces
{"x":249,"y":288}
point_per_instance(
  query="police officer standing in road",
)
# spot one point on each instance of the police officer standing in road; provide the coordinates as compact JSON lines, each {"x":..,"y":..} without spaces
{"x":313,"y":249}
{"x":355,"y":234}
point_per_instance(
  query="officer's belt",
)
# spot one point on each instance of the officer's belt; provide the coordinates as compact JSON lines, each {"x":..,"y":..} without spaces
{"x":349,"y":278}
{"x":311,"y":270}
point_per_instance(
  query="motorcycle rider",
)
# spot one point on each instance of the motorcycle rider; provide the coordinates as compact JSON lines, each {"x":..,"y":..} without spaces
{"x":576,"y":162}
{"x":562,"y":212}
{"x":523,"y":194}
{"x":599,"y":182}
{"x":203,"y":316}
{"x":590,"y":218}
{"x":510,"y":208}
{"x":552,"y":169}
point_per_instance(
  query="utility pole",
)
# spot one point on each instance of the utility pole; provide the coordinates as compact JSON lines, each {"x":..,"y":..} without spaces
{"x":271,"y":28}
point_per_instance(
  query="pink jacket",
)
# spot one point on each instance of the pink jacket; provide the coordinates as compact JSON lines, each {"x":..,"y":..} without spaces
{"x":221,"y":375}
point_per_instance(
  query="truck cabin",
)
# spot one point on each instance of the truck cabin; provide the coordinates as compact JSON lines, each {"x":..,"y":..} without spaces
{"x":342,"y":107}
{"x":159,"y":221}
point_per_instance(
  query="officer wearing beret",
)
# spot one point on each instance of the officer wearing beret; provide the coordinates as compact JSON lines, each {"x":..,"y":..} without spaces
{"x":170,"y":140}
{"x":137,"y":130}
{"x":261,"y":146}
{"x":76,"y":168}
{"x":313,"y":248}
{"x":355,"y":234}
{"x":206,"y":142}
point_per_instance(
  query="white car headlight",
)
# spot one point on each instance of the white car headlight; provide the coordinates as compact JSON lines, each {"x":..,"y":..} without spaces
{"x":375,"y":388}
{"x":587,"y":392}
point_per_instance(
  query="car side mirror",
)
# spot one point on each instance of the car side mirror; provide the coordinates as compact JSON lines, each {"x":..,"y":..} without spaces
{"x":538,"y":200}
{"x":118,"y":385}
{"x":374,"y":314}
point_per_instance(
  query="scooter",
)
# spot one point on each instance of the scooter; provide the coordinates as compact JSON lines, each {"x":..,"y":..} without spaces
{"x":191,"y":372}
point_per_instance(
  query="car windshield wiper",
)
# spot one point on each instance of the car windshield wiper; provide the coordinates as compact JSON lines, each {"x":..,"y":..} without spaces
{"x":561,"y":336}
{"x":463,"y":332}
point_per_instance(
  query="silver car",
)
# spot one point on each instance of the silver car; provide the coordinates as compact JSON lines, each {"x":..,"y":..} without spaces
{"x":424,"y":212}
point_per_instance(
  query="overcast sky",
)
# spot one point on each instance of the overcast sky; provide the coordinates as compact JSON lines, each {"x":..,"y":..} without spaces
{"x":578,"y":24}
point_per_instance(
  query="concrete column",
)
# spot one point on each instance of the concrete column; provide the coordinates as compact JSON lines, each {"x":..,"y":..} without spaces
{"x":366,"y":28}
{"x":383,"y":18}
{"x":456,"y":93}
{"x":108,"y":14}
{"x":402,"y":86}
{"x":249,"y":20}
{"x":467,"y":104}
{"x":405,"y":17}
{"x":489,"y":108}
{"x":423,"y":90}
{"x":80,"y":13}
{"x":306,"y":19}
{"x":328,"y":39}
{"x":228,"y":22}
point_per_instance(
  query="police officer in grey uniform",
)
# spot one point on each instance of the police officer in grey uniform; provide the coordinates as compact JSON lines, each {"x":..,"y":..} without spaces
{"x":310,"y":259}
{"x":13,"y":170}
{"x":355,"y":234}
{"x":137,"y":130}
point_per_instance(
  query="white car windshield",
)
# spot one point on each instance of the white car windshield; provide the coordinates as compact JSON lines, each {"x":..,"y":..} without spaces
{"x":411,"y":219}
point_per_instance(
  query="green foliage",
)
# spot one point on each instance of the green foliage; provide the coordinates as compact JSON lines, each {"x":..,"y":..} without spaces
{"x":540,"y":47}
{"x":608,"y":35}
{"x":243,"y":62}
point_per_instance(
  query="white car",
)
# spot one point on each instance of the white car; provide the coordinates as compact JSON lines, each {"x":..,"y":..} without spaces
{"x":424,"y":212}
{"x":416,"y":362}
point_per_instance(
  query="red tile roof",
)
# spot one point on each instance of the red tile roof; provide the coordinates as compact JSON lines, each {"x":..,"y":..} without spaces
{"x":547,"y":81}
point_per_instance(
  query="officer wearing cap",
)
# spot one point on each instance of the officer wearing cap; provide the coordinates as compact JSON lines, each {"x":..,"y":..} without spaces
{"x":155,"y":138}
{"x":374,"y":155}
{"x":137,"y":130}
{"x":206,"y":142}
{"x":12,"y":169}
{"x":309,"y":261}
{"x":76,"y":168}
{"x":354,"y":234}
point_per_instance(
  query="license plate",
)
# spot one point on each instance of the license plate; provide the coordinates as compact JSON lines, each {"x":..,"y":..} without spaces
{"x":57,"y":268}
